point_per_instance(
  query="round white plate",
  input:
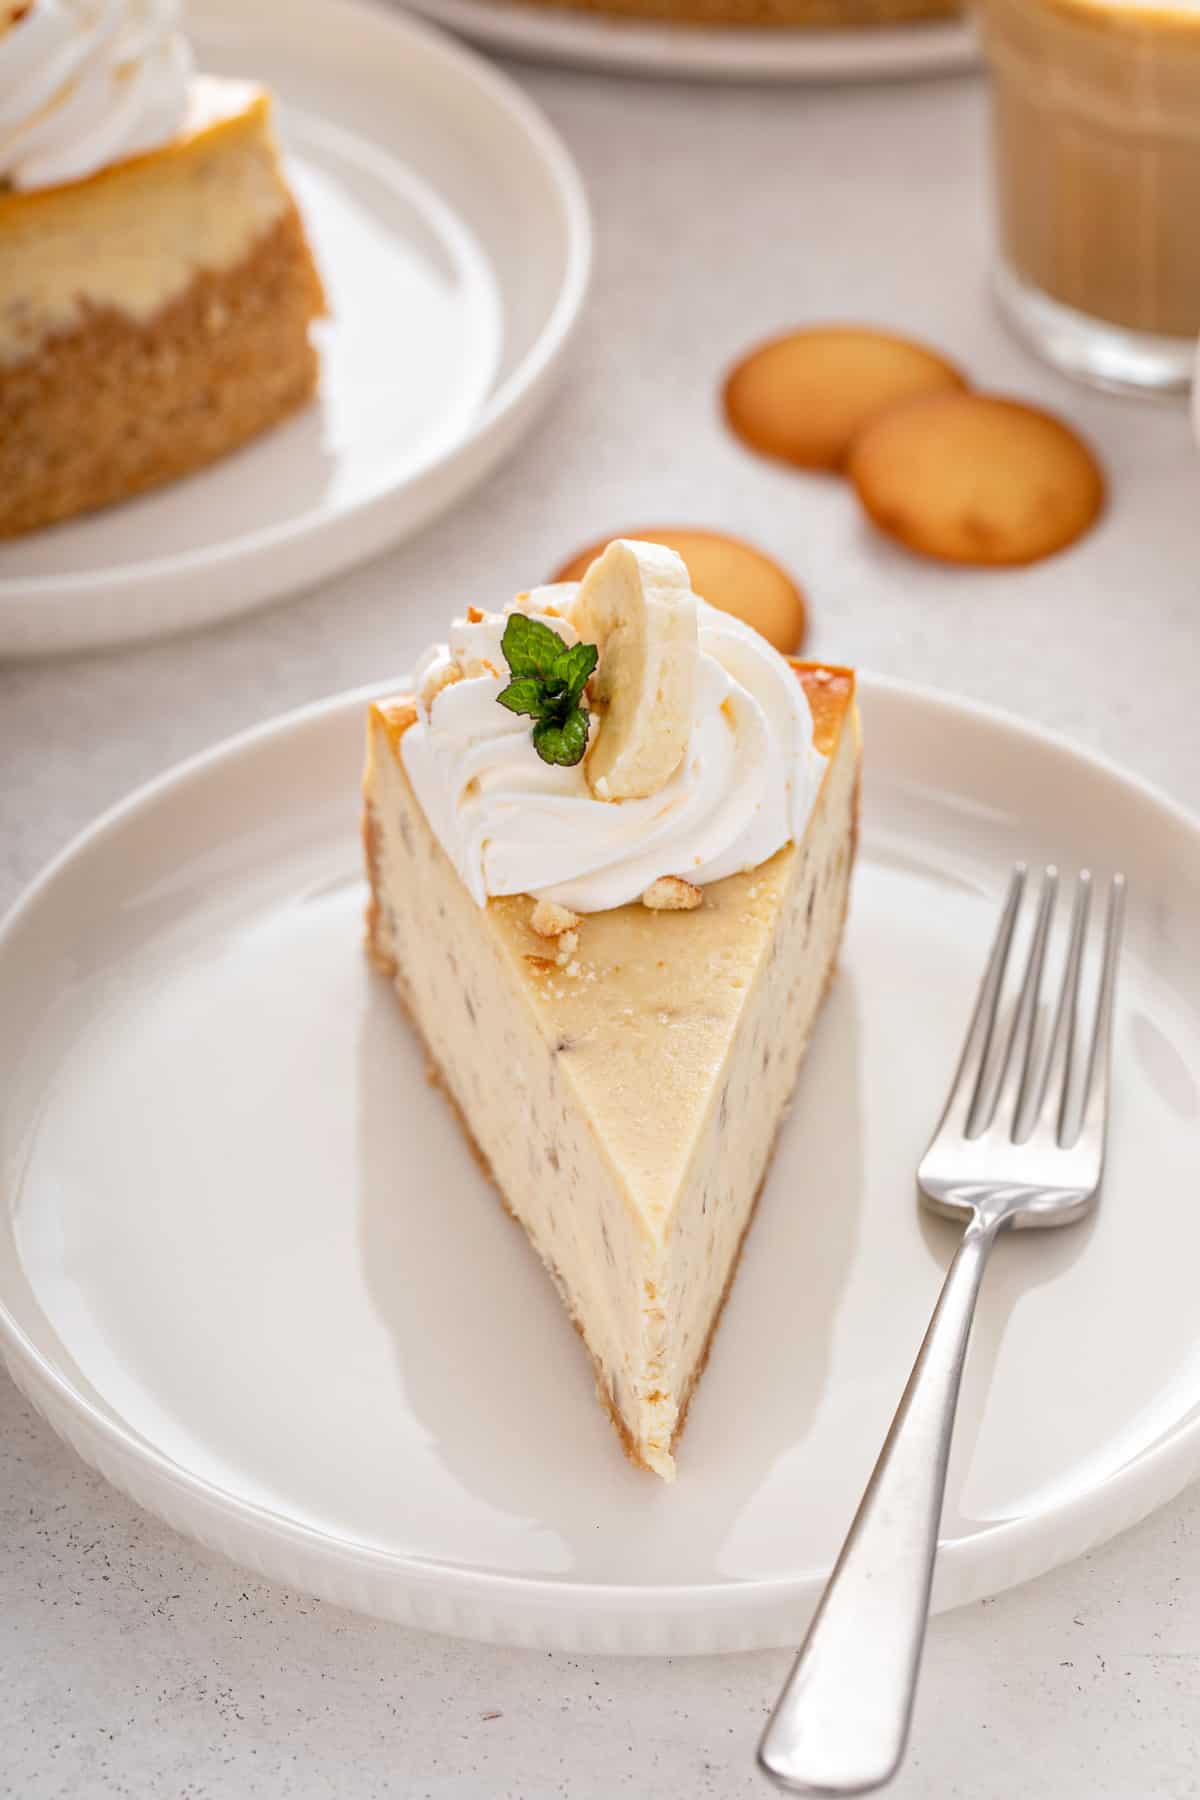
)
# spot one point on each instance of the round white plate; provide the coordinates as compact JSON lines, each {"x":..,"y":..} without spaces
{"x":454,"y":239}
{"x":249,"y":1268}
{"x":697,"y":52}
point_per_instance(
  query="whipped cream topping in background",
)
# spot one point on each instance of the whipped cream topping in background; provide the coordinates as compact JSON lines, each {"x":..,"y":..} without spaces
{"x":87,"y":83}
{"x":512,"y":824}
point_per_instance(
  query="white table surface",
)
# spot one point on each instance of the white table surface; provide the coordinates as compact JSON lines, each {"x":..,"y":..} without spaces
{"x":138,"y":1665}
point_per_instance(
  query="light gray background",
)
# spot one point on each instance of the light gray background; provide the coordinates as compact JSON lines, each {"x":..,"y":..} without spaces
{"x":136,"y":1664}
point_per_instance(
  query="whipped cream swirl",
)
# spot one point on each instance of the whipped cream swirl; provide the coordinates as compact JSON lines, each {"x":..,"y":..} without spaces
{"x":512,"y":824}
{"x":86,"y":83}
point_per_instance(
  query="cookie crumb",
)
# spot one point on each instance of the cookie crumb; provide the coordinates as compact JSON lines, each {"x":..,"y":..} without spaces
{"x":398,"y":715}
{"x":671,"y":893}
{"x":550,"y":920}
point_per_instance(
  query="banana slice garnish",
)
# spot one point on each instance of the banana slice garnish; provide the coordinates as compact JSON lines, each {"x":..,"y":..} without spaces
{"x":636,"y":603}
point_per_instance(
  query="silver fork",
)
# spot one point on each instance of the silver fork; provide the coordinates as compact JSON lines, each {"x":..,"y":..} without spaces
{"x":1014,"y":1148}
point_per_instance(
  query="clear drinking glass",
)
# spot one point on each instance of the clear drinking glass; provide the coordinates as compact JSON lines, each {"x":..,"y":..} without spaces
{"x":1096,"y":149}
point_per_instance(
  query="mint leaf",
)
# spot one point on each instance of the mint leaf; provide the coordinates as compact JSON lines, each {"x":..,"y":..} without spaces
{"x":524,"y":695}
{"x":547,"y":682}
{"x":574,"y":668}
{"x":563,"y":744}
{"x":531,"y":648}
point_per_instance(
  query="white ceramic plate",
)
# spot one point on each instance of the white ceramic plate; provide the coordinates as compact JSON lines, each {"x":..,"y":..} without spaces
{"x":632,"y":47}
{"x":453,"y":235}
{"x":250,"y":1270}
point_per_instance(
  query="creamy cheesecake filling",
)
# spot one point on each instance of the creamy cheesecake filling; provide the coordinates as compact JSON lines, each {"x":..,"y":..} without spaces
{"x":627,"y":1099}
{"x":508,"y":1075}
{"x":135,"y":243}
{"x":759,"y":1076}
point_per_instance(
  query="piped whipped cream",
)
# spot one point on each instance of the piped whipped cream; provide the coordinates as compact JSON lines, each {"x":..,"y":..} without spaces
{"x":513,"y":824}
{"x":87,"y":83}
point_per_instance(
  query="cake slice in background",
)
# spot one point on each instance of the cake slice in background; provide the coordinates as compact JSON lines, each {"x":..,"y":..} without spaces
{"x":156,"y":284}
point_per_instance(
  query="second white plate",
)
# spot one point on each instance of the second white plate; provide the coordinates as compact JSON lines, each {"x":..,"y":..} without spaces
{"x":697,"y":52}
{"x":249,"y":1268}
{"x":453,"y":236}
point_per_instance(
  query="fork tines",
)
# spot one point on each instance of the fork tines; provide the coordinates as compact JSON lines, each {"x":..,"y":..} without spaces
{"x":1022,"y":1094}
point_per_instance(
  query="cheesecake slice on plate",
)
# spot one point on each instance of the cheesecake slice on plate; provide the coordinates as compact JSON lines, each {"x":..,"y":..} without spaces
{"x":156,"y":285}
{"x":615,"y":964}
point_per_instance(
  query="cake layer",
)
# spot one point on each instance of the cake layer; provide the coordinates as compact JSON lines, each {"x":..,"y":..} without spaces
{"x":626,"y":1090}
{"x":132,"y":238}
{"x":115,"y":405}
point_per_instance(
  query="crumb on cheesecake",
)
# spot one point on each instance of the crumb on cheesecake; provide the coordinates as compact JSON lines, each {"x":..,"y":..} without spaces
{"x":549,"y":920}
{"x":671,"y":893}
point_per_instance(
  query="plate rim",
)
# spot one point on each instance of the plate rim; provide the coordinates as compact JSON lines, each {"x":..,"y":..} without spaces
{"x":648,"y":1618}
{"x":659,"y":48}
{"x":524,"y":385}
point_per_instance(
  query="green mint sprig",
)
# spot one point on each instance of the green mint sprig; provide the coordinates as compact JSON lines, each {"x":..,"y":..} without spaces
{"x":548,"y":680}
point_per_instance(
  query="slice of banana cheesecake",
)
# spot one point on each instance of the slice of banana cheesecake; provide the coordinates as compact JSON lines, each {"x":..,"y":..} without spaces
{"x":616,"y":988}
{"x":157,"y":287}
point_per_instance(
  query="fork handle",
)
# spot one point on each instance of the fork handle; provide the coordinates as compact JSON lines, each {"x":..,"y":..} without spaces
{"x":841,"y":1723}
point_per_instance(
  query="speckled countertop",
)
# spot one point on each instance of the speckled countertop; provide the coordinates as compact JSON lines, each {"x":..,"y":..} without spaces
{"x":138,"y":1665}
